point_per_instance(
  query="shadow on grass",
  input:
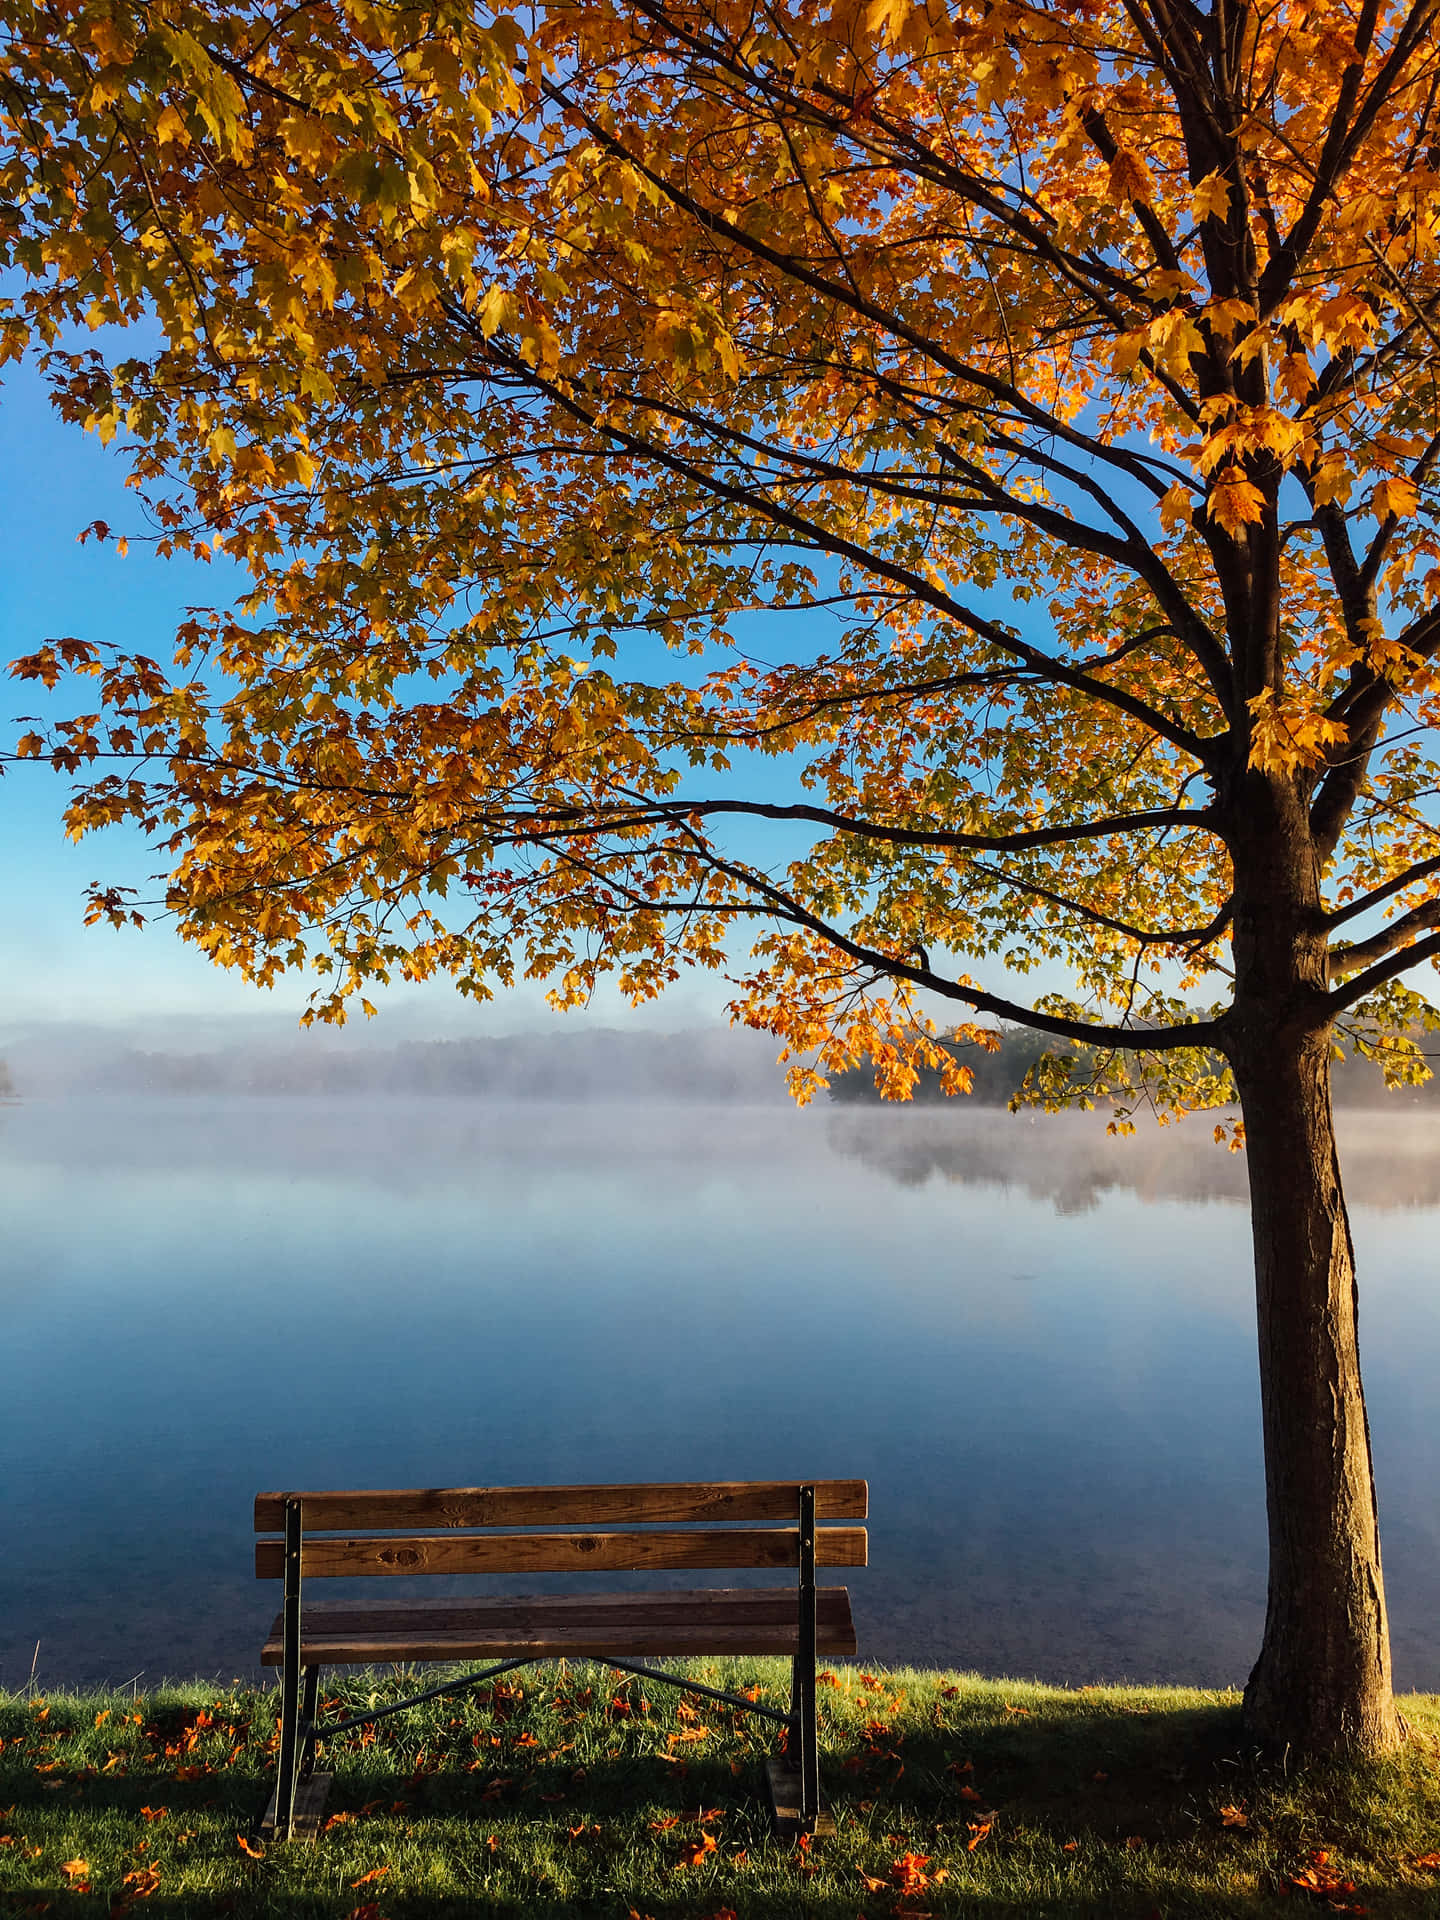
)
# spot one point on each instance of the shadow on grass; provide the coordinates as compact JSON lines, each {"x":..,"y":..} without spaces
{"x":1103,"y":1808}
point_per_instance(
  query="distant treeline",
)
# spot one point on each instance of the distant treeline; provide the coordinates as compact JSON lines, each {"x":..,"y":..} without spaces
{"x":998,"y":1076}
{"x":590,"y":1063}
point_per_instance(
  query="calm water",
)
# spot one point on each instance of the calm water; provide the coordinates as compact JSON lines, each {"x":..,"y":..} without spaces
{"x":1036,"y":1343}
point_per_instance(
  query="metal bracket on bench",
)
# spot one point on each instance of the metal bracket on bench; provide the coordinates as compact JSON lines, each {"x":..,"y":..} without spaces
{"x":696,"y":1686}
{"x":325,"y":1731}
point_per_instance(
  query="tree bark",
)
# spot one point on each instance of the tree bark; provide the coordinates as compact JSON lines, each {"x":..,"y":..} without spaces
{"x":1322,"y":1681}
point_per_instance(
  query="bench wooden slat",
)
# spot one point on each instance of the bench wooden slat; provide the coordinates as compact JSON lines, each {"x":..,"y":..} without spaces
{"x":714,"y":1620}
{"x":693,"y":1603}
{"x":687,"y":1501}
{"x":332,"y":1557}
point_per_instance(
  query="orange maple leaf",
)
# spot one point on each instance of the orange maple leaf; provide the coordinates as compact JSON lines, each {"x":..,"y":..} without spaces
{"x":138,"y":1885}
{"x":694,"y":1851}
{"x":375,"y":1873}
{"x":908,"y":1873}
{"x":248,"y":1846}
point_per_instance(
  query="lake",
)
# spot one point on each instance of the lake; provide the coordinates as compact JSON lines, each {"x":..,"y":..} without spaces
{"x":1036,"y":1343}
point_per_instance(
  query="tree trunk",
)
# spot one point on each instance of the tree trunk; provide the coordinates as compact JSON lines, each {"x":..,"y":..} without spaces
{"x":1322,"y":1681}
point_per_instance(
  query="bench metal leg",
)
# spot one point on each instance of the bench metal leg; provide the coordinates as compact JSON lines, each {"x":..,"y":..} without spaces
{"x":802,"y":1684}
{"x":287,"y":1760}
{"x":307,"y":1721}
{"x":795,"y":1781}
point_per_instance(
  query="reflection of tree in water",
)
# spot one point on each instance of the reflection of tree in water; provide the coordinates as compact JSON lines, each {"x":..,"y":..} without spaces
{"x":1391,"y":1159}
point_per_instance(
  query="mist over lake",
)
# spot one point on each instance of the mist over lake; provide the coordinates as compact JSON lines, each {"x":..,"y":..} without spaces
{"x":1036,"y":1342}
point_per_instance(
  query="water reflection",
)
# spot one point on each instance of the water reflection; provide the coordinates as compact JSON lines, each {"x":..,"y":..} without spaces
{"x":1037,"y":1343}
{"x":1388,"y":1160}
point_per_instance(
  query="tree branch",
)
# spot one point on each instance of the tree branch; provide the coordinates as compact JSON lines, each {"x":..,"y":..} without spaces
{"x":1345,"y":960}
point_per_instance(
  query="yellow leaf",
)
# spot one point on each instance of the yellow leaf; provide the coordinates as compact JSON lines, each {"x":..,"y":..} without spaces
{"x":1210,"y":198}
{"x":495,"y":311}
{"x":1235,"y":502}
{"x":1176,"y":507}
{"x":1130,"y":179}
{"x":1395,"y":495}
{"x":171,"y":128}
{"x":887,"y":18}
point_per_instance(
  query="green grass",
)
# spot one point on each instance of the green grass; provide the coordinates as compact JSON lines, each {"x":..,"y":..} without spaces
{"x":570,"y":1791}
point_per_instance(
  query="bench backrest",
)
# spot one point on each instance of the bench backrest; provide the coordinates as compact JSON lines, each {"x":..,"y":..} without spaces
{"x":552,"y":1529}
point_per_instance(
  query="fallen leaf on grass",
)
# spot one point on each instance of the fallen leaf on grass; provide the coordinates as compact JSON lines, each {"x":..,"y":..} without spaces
{"x":370,"y":1910}
{"x":1430,"y":1860}
{"x":1321,"y":1878}
{"x":138,"y":1885}
{"x":1024,"y":1712}
{"x":694,"y":1851}
{"x":75,"y":1869}
{"x":978,"y":1831}
{"x":1233,"y":1817}
{"x":154,"y":1813}
{"x":1134,"y":1843}
{"x":375,"y":1873}
{"x":337,"y":1820}
{"x":969,"y":1793}
{"x":871,"y":1884}
{"x":908,"y":1873}
{"x":248,"y":1846}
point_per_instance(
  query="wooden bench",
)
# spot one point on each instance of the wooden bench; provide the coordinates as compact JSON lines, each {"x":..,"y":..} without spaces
{"x":707,"y":1527}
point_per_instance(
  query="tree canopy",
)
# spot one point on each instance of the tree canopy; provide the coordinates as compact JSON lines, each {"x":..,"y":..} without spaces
{"x":995,"y":441}
{"x":1069,"y":368}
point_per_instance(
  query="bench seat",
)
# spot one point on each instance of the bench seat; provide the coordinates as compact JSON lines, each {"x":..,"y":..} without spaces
{"x":706,"y":1621}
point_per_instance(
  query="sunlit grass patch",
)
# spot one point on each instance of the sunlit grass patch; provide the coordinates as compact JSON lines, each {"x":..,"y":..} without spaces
{"x":577,"y":1790}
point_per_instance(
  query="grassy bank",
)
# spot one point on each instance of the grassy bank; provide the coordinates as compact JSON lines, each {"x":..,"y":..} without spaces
{"x":569,"y":1792}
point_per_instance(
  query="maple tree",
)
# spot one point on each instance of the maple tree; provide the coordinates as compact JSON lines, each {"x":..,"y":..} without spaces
{"x":995,"y":442}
